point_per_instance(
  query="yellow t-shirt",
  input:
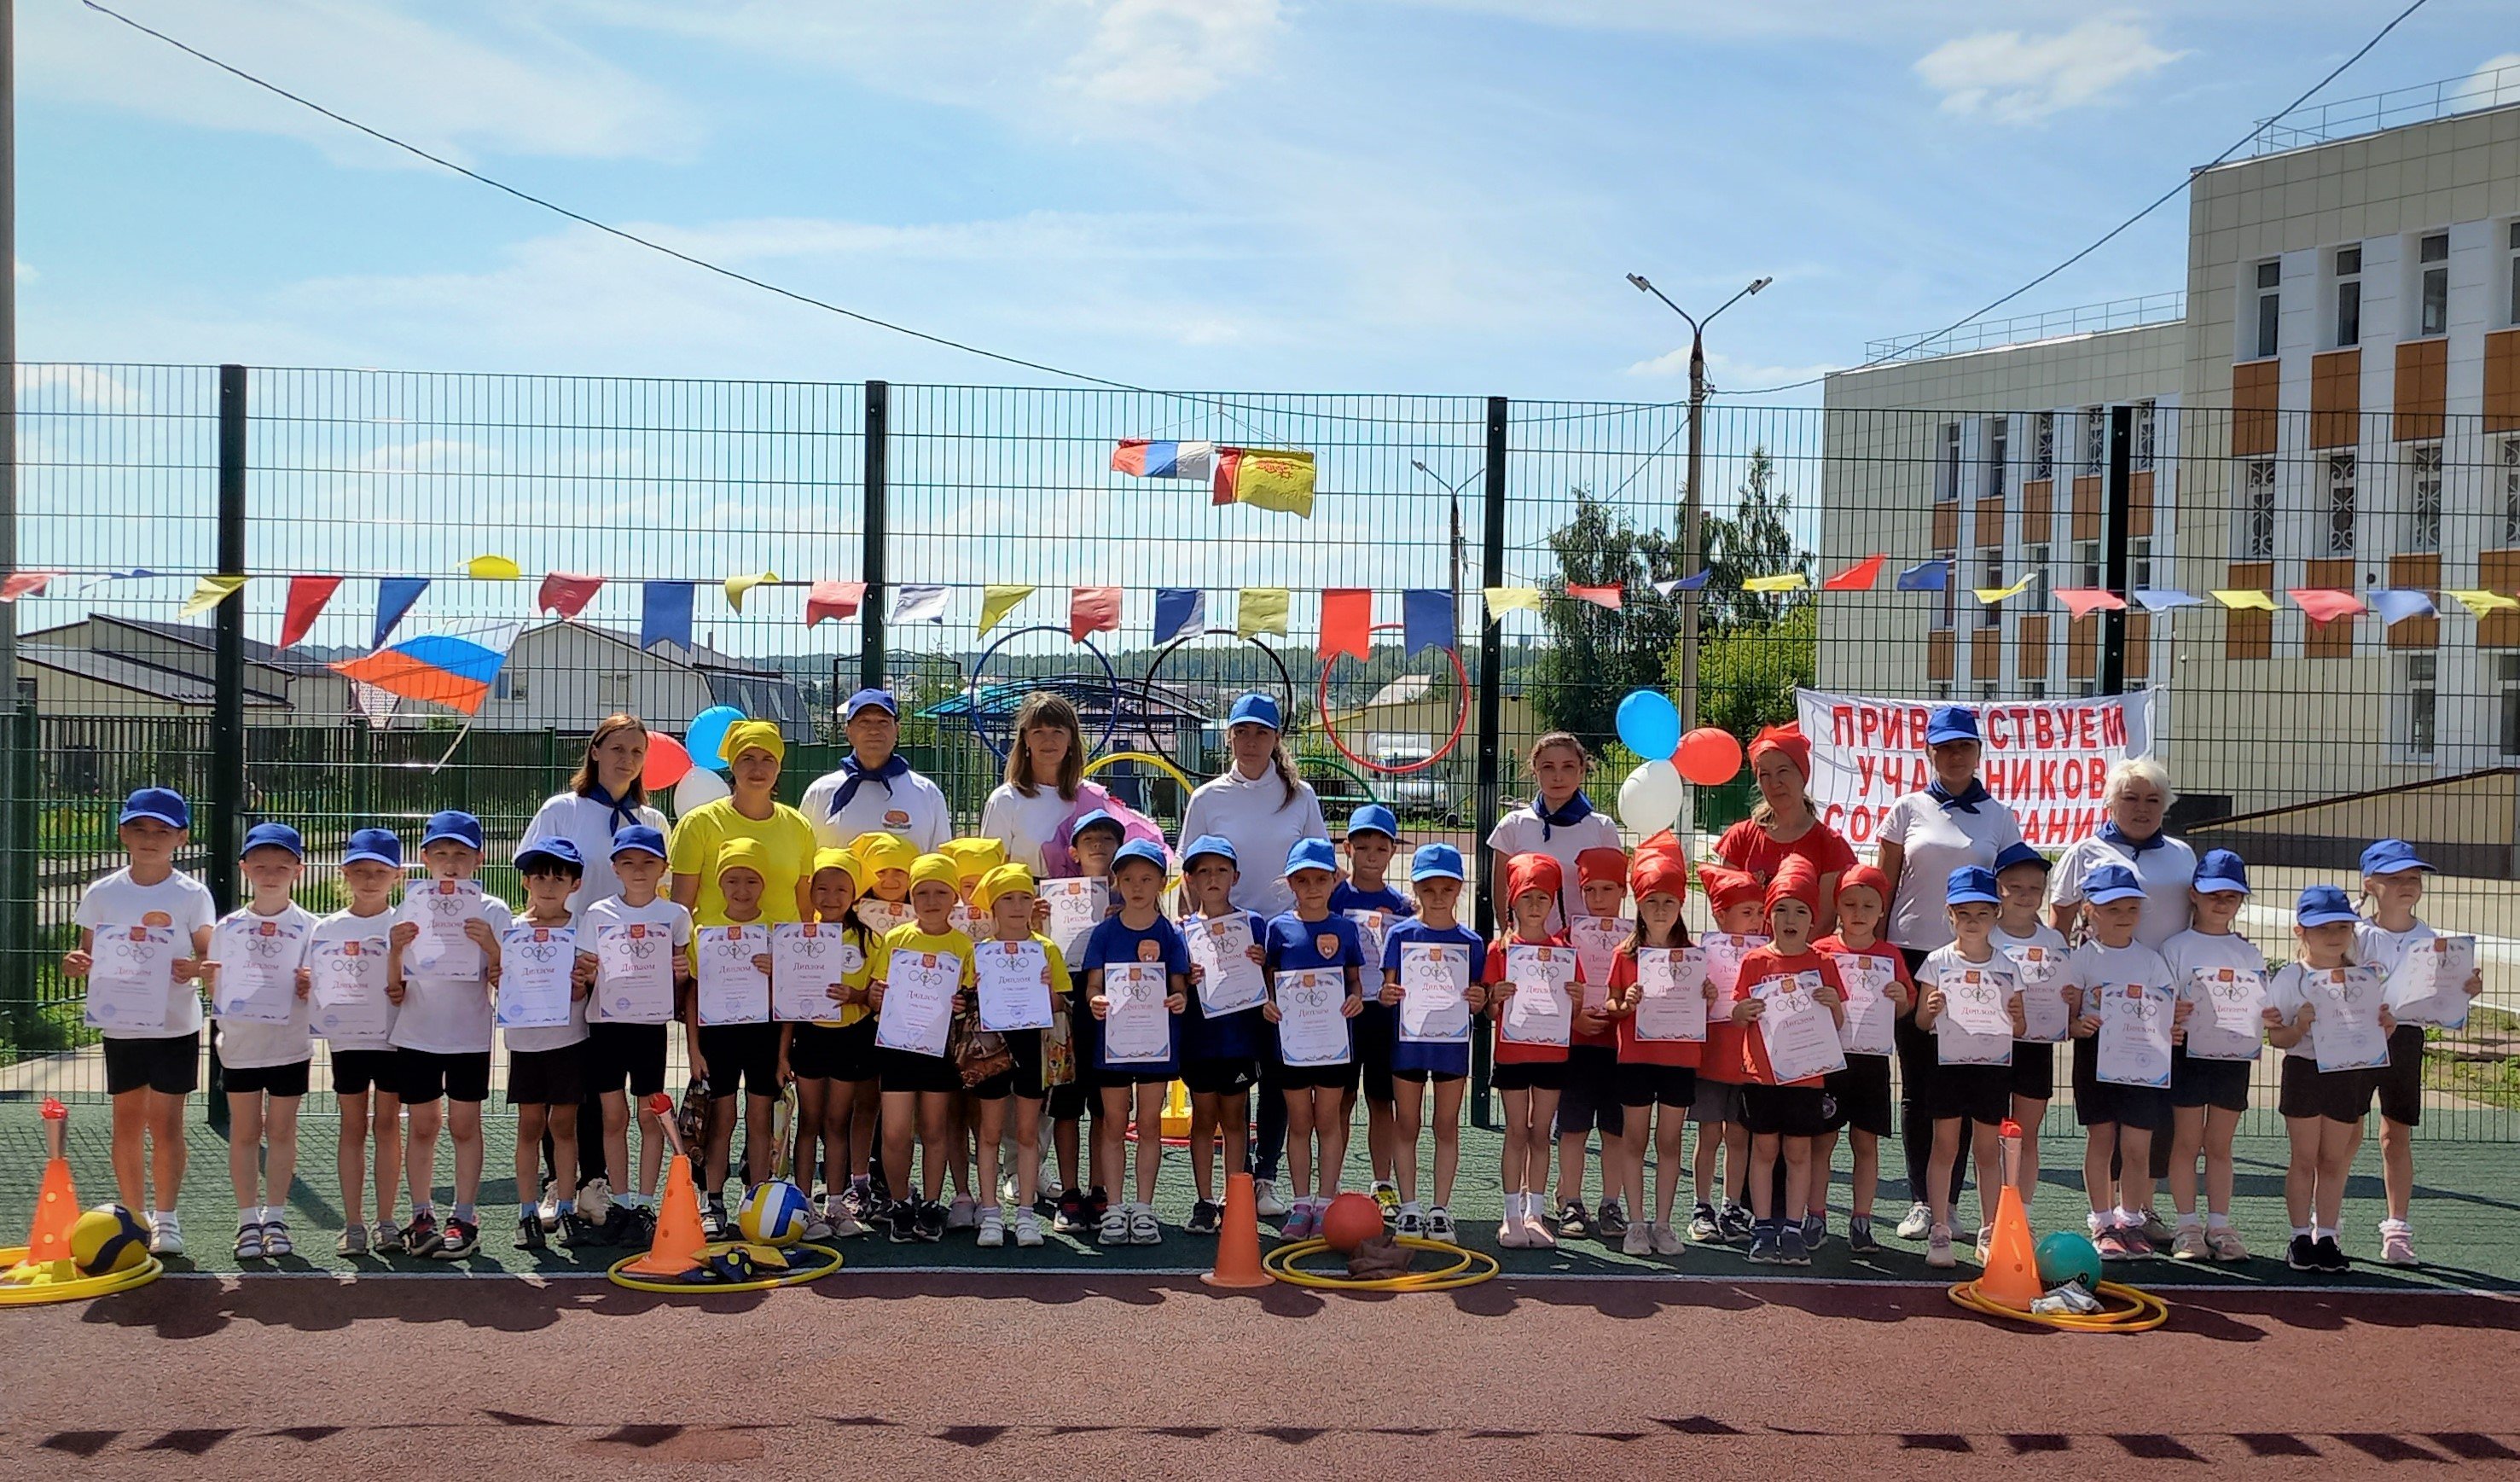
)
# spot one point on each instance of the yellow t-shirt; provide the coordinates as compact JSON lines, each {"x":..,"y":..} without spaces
{"x":909,"y":938}
{"x":784,"y":835}
{"x":1058,"y":983}
{"x":854,"y":978}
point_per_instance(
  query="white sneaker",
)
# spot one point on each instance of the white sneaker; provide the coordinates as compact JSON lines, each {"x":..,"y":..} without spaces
{"x":1666,"y":1240}
{"x":384,"y":1234}
{"x":993,"y":1228}
{"x":844,"y":1225}
{"x":1265,"y":1199}
{"x":1439,"y":1225}
{"x":549,"y":1210}
{"x":1638,"y":1241}
{"x":964,"y":1213}
{"x":1115,"y":1229}
{"x":1938,"y":1249}
{"x":1918,"y":1221}
{"x":1144,"y":1228}
{"x":165,"y":1235}
{"x":595,"y":1200}
{"x":1027,"y":1228}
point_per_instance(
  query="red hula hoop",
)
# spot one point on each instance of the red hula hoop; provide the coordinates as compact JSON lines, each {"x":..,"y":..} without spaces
{"x":1461,"y":711}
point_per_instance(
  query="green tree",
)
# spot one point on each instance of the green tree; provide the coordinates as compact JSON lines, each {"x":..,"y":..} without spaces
{"x":1746,"y":676}
{"x":1755,"y":540}
{"x":1593,"y":657}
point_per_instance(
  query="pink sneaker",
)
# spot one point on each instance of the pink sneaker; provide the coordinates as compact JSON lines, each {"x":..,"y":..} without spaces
{"x":2398,"y":1243}
{"x":1303,"y":1221}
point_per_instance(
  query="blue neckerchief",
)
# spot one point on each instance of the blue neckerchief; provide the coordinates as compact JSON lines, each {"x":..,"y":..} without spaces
{"x":1963,"y":801}
{"x":624,"y":815}
{"x":2111,"y":834}
{"x":856,"y":773}
{"x":1578,"y":808}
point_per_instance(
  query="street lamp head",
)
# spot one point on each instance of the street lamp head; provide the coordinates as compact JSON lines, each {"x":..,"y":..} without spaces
{"x":1761,"y":284}
{"x":1420,"y":467}
{"x":1638,"y":279}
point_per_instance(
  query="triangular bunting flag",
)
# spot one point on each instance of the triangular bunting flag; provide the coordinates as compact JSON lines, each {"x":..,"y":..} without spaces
{"x":1093,"y":609}
{"x":307,"y":596}
{"x":1990,"y":595}
{"x":2082,"y":601}
{"x":997,"y":601}
{"x":18,"y":584}
{"x":212,"y":591}
{"x":737,"y":586}
{"x":2396,"y":604}
{"x":1180,"y":612}
{"x":395,"y":597}
{"x":1269,"y":477}
{"x":1600,"y":596}
{"x":453,"y":669}
{"x":1260,"y":610}
{"x":2164,"y":598}
{"x":1926,"y":576}
{"x":1788,"y":581}
{"x":1503,"y":600}
{"x":1859,"y":577}
{"x":2324,"y":605}
{"x":919,"y":605}
{"x":2482,"y":602}
{"x":490,"y":569}
{"x":665,"y":612}
{"x":2254,"y":602}
{"x":1429,"y":619}
{"x":1347,"y":623}
{"x":834,"y":600}
{"x":566,"y":592}
{"x":1690,"y":583}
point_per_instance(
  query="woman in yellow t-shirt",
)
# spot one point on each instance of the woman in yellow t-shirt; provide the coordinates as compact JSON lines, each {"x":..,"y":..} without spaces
{"x":754,"y":812}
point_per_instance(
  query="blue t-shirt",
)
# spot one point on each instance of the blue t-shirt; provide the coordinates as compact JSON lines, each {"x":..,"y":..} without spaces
{"x":1115,"y":941}
{"x":1344,"y":897}
{"x":1238,"y":1036}
{"x":1295,"y":944}
{"x":1411,"y":1055}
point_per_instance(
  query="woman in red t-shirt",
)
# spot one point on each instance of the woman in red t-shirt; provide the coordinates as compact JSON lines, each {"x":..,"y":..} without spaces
{"x":1784,"y":824}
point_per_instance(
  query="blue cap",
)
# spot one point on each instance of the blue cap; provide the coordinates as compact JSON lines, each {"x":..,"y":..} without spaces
{"x":2324,"y":906}
{"x":2019,"y":854}
{"x":2221,"y":872}
{"x":1436,"y":862}
{"x":2111,"y":882}
{"x":2392,"y":855}
{"x":275,"y":835}
{"x":1209,"y":843}
{"x":1139,"y":848}
{"x":1312,"y":854}
{"x":1257,"y":708}
{"x":1971,"y":884}
{"x":559,"y":850}
{"x":1372,"y":818}
{"x":1951,"y":723}
{"x":881,"y":700}
{"x":640,"y":836}
{"x":463,"y":828}
{"x":1076,"y":829}
{"x":165,"y":804}
{"x":382,"y":845}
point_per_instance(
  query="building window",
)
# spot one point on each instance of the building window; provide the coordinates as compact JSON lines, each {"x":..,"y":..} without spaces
{"x":612,"y":694}
{"x":2257,"y":540}
{"x":2270,"y":306}
{"x":2095,"y":441}
{"x":1990,"y":614}
{"x":2034,"y":688}
{"x":1987,"y":691}
{"x":1999,"y":448}
{"x":2044,"y":457}
{"x":2418,"y":673}
{"x":2145,"y":422}
{"x":2515,"y":273}
{"x":2084,"y":689}
{"x":2340,"y":503}
{"x":2506,"y":672}
{"x":2087,"y":563}
{"x":2349,"y":297}
{"x":509,"y":685}
{"x":2425,"y":498}
{"x":1947,"y":613}
{"x":1941,"y":689}
{"x":1946,"y":479}
{"x":2139,"y":562}
{"x":2034,"y":558}
{"x":2511,"y":490}
{"x":2432,"y":263}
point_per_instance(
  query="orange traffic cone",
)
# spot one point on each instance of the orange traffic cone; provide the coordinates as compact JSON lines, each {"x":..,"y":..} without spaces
{"x":57,"y":1205}
{"x":1237,"y":1241}
{"x":2011,"y":1275}
{"x":678,"y":1244}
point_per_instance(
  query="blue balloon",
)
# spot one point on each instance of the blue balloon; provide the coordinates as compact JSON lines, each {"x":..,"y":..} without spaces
{"x":1649,"y":725}
{"x":705,"y":740}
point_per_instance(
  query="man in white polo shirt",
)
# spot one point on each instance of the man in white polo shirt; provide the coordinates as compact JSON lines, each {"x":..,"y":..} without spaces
{"x":875,"y":792}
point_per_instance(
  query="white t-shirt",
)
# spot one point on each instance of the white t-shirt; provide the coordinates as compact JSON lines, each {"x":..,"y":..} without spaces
{"x":1025,"y":823}
{"x":1937,"y":840}
{"x":910,"y":806}
{"x":2192,"y":952}
{"x":2090,"y":966}
{"x":178,"y":901}
{"x":1518,"y":832}
{"x":2382,"y":951}
{"x":1947,"y":959}
{"x":378,"y":930}
{"x":1262,"y":823}
{"x":447,"y":1016}
{"x":587,"y":824}
{"x":251,"y":1045}
{"x":2286,"y":994}
{"x":613,"y":911}
{"x":2165,"y":874}
{"x":553,"y":1036}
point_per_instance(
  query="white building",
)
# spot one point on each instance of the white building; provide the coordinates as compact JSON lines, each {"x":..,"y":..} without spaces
{"x":110,"y":665}
{"x":568,"y":676}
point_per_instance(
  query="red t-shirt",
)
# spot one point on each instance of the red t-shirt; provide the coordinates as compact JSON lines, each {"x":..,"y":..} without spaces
{"x":1748,"y":847}
{"x":1761,"y":965}
{"x":1637,"y":1052}
{"x":1515,"y":1051}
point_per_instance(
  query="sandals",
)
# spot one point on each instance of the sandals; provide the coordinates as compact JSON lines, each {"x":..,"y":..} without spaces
{"x":275,"y":1239}
{"x":248,"y":1242}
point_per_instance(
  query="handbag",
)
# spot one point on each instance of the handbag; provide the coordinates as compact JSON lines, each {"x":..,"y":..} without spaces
{"x":978,"y":1052}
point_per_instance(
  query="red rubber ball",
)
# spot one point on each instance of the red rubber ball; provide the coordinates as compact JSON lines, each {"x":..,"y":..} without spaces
{"x":1351,"y":1220}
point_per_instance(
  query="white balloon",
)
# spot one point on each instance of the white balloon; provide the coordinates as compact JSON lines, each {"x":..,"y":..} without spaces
{"x":1649,"y":799}
{"x":701,"y":785}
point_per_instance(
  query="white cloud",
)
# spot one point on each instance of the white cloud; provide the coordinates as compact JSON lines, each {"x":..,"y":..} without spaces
{"x":2015,"y":79}
{"x":1171,"y":51}
{"x":2494,"y":82}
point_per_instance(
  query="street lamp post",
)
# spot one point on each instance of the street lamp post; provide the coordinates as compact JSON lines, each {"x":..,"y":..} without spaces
{"x":1452,"y":496}
{"x":1692,"y":517}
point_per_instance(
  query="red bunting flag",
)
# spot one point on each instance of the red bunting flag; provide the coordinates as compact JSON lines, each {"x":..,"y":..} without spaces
{"x":1093,"y":609}
{"x":834,"y":600}
{"x":18,"y":584}
{"x":2082,"y":601}
{"x":1600,"y":596}
{"x":1858,"y":577}
{"x":1347,"y":622}
{"x":307,"y":596}
{"x":566,"y":592}
{"x":2326,"y":604}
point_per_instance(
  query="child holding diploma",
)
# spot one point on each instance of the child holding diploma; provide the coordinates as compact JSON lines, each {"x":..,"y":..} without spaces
{"x":440,"y":970}
{"x":1739,"y":906}
{"x":1659,"y":998}
{"x":1785,"y":1062}
{"x":2421,"y":969}
{"x":2037,"y":951}
{"x":2225,"y":978}
{"x":1874,"y":977}
{"x":1970,"y":1000}
{"x":1430,"y":963}
{"x":346,"y":956}
{"x":259,"y":991}
{"x":1136,"y":972}
{"x":2330,"y":1017}
{"x":918,"y":969}
{"x":830,"y":1056}
{"x":1536,"y":967}
{"x":1316,"y":967}
{"x":729,"y":1039}
{"x":539,"y":964}
{"x":1366,"y":897}
{"x":640,"y":944}
{"x":1590,"y":1096}
{"x":1223,"y":1027}
{"x":2125,"y":1015}
{"x":1072,"y":907}
{"x":1020,"y":987}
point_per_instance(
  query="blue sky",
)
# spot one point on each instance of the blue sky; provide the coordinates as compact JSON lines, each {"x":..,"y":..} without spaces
{"x":1437,"y":195}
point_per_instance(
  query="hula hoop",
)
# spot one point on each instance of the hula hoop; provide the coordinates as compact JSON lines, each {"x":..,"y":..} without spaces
{"x":793,"y":1276}
{"x":2137,"y":1311}
{"x":971,"y":685}
{"x":36,"y":1286}
{"x":1461,"y":713}
{"x":1343,"y":770}
{"x":1146,"y":686}
{"x":1171,"y":771}
{"x":1464,"y":1272}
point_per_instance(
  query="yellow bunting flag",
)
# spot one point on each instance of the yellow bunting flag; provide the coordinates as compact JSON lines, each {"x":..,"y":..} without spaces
{"x":737,"y":586}
{"x":2482,"y":602}
{"x":1273,"y":478}
{"x":2256,"y":602}
{"x":1993,"y":595}
{"x":1790,"y":581}
{"x":997,"y":601}
{"x":492,"y":569}
{"x":1261,"y":610}
{"x":212,"y":591}
{"x":1503,"y":600}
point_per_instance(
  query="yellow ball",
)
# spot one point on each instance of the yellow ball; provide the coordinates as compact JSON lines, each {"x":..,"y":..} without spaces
{"x":106,"y":1240}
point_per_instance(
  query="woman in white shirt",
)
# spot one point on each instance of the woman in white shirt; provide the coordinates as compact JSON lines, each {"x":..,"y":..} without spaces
{"x":1044,"y":787}
{"x":2137,"y":795}
{"x":604,"y":797}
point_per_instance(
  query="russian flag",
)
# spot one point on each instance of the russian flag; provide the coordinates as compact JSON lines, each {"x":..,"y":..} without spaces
{"x":451,"y":669}
{"x":1163,"y":460}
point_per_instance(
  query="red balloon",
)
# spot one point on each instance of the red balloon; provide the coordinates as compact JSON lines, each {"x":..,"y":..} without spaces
{"x":1709,"y":757}
{"x":1351,"y":1220}
{"x":667,"y":762}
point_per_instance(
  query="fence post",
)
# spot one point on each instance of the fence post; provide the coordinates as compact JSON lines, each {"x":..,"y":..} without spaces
{"x":871,"y":564}
{"x":1490,"y":722}
{"x":227,"y":710}
{"x":25,"y":874}
{"x":2116,"y":518}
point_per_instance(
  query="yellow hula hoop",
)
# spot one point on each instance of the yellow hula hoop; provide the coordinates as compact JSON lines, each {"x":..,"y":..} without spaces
{"x":1468,"y":1268}
{"x":618,"y":1271}
{"x":25,"y":1285}
{"x":1151,"y":759}
{"x":2140,"y":1312}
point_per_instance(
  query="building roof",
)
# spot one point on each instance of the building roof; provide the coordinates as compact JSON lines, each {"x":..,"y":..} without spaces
{"x":693,"y":656}
{"x":101,"y":666}
{"x":203,"y":637}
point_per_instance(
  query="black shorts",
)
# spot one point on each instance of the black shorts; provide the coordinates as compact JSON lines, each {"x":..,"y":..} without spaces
{"x":1420,"y":1075}
{"x":354,"y":1071}
{"x":618,"y":1053}
{"x":905,"y":1072}
{"x":2339,"y":1096}
{"x":1786,"y":1112}
{"x":1220,"y":1075}
{"x":1066,"y":1103}
{"x":2098,"y":1103}
{"x":2223,"y":1084}
{"x":1528,"y":1075}
{"x":1718,"y":1100}
{"x":741,"y":1057}
{"x":1862,"y":1095}
{"x":1372,"y":1031}
{"x":1321,"y":1077}
{"x":423,"y":1076}
{"x":1023,"y":1079}
{"x":1969,"y":1092}
{"x":1589,"y":1096}
{"x":287,"y":1080}
{"x":1641,"y":1086}
{"x":169,"y":1067}
{"x":2034,"y":1069}
{"x":2401,"y":1084}
{"x":547,"y":1077}
{"x":845,"y":1052}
